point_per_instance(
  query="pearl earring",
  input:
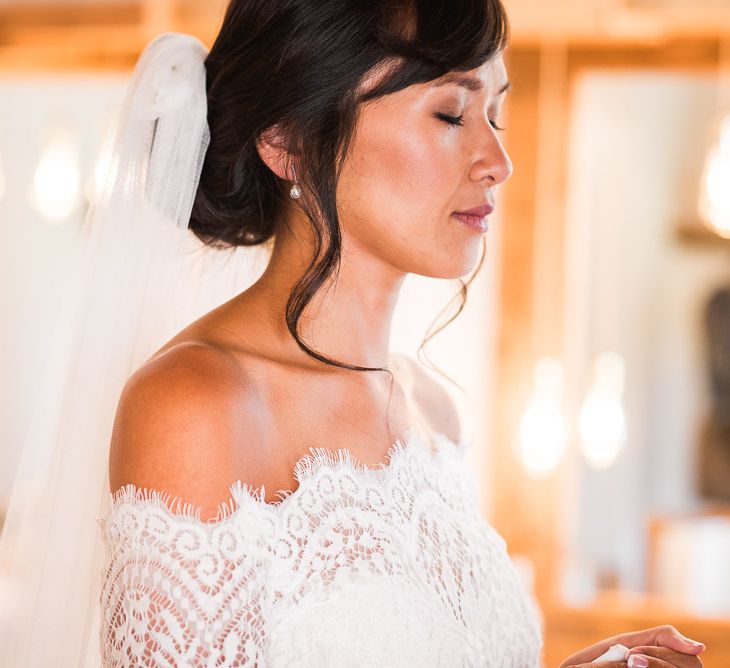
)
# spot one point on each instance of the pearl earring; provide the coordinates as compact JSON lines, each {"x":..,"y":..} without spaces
{"x":295,"y":191}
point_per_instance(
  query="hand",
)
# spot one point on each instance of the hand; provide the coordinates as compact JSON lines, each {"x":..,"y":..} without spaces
{"x":660,"y":647}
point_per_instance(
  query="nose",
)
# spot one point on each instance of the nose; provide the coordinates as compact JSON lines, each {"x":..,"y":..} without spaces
{"x":492,"y":163}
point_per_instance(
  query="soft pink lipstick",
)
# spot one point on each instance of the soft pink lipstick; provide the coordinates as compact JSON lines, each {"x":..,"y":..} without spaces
{"x":476,"y":218}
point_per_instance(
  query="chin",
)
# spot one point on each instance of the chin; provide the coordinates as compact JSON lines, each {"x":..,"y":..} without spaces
{"x":454,"y":264}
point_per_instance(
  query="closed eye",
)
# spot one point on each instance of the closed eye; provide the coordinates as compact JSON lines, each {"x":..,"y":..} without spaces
{"x":451,"y":120}
{"x":459,"y":120}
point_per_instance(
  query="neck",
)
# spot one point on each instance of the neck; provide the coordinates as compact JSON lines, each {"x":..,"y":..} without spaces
{"x":349,"y":318}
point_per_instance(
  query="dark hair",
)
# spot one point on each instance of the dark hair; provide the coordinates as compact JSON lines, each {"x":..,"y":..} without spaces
{"x":298,"y":64}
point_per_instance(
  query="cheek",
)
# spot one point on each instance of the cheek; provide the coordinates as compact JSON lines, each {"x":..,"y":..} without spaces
{"x":399,"y":179}
{"x":414,"y":168}
{"x":396,"y":194}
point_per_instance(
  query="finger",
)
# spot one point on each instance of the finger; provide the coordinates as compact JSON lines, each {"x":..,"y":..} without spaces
{"x":663,"y":636}
{"x":671,"y":656}
{"x":673,"y":639}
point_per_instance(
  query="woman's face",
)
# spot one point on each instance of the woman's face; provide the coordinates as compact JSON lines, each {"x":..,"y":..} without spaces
{"x":417,"y":157}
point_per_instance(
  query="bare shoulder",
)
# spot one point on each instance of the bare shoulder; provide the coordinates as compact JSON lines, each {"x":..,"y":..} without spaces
{"x":435,"y":402}
{"x":186,"y":422}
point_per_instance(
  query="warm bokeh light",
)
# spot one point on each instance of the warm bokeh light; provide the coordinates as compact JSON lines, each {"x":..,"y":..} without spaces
{"x":601,"y":423}
{"x":543,"y":434}
{"x":715,"y":196}
{"x":56,"y":183}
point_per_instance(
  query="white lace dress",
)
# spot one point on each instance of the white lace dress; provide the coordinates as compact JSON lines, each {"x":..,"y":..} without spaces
{"x":388,"y":566}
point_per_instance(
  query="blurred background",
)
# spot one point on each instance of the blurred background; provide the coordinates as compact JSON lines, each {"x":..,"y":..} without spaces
{"x":595,"y":345}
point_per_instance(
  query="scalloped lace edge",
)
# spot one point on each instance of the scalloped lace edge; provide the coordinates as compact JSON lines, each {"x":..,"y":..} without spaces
{"x":306,"y":468}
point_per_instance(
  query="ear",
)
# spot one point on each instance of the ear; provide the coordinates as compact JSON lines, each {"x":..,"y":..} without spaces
{"x":273,"y":148}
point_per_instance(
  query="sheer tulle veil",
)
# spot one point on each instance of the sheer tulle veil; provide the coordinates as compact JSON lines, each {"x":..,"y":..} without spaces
{"x":142,"y":275}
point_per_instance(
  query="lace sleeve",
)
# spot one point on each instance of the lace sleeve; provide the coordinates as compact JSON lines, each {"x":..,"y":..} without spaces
{"x":180,"y":592}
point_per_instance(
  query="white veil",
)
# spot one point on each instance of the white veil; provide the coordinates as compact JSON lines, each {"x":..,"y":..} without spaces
{"x":141,"y":277}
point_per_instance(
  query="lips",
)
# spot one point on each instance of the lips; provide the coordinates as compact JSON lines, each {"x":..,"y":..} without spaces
{"x":479,"y":211}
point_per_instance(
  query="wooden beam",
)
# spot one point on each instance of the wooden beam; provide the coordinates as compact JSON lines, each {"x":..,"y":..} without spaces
{"x":22,"y":16}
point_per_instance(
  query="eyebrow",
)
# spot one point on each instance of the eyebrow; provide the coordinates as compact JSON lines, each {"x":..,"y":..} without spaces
{"x":469,"y":82}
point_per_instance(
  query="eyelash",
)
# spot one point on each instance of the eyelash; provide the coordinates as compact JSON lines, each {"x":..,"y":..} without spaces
{"x":458,"y":120}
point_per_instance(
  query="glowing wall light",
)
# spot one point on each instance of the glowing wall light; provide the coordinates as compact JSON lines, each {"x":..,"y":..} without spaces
{"x":601,"y":424}
{"x":715,"y":185}
{"x":55,"y":191}
{"x":543,"y":432}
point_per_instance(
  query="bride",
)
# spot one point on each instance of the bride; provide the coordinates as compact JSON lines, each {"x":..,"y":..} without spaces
{"x":284,"y":490}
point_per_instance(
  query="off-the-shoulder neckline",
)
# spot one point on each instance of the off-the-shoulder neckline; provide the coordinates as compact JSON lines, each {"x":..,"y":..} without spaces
{"x":306,"y":468}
